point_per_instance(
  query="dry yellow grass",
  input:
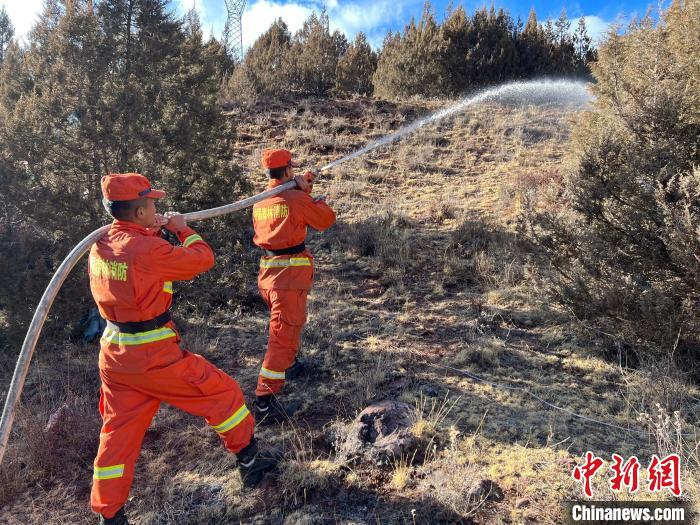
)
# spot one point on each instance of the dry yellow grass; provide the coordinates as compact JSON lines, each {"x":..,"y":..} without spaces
{"x":423,"y":269}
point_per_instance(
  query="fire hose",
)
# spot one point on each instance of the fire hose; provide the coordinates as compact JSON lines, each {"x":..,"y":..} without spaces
{"x":47,"y":299}
{"x":554,"y":88}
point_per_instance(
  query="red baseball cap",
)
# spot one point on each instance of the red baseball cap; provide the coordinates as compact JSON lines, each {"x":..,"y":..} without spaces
{"x":128,"y":187}
{"x":277,"y":158}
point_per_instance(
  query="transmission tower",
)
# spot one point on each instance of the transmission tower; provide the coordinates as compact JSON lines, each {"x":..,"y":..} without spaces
{"x":233,"y":30}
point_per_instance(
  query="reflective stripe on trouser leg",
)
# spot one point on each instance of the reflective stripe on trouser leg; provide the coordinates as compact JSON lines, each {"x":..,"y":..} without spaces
{"x":271,"y":374}
{"x":233,"y":421}
{"x":269,"y":381}
{"x":110,"y":472}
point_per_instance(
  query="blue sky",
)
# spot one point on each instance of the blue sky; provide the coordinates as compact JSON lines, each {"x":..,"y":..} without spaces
{"x":374,"y":17}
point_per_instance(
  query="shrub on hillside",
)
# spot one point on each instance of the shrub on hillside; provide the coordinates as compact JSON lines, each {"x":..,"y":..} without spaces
{"x":314,"y":55}
{"x":428,"y":58}
{"x":356,"y":68}
{"x":89,"y":97}
{"x":412,"y":63}
{"x":468,"y":51}
{"x":265,"y":70}
{"x":278,"y":64}
{"x":624,"y":239}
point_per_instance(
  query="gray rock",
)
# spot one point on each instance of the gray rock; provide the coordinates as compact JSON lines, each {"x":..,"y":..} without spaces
{"x":485,"y":490}
{"x":379,"y":433}
{"x":522,"y":502}
{"x":430,"y":390}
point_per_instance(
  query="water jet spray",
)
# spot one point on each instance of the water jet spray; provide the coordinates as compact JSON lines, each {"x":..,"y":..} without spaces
{"x":533,"y":92}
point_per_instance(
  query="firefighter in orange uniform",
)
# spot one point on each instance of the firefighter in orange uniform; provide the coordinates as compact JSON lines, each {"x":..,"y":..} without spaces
{"x":285,"y":276}
{"x":141,"y":362}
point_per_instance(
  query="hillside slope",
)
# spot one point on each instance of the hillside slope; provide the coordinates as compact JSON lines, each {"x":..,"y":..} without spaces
{"x":423,"y":276}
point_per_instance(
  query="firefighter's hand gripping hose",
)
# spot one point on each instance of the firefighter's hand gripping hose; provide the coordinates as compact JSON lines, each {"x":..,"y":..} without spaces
{"x":575,"y":91}
{"x":47,"y":299}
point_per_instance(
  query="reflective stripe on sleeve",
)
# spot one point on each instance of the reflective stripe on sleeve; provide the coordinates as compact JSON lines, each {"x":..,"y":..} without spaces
{"x":114,"y":471}
{"x":238,"y":416}
{"x":139,"y":338}
{"x":192,"y":239}
{"x":284,"y":263}
{"x":168,"y":287}
{"x":271,"y":374}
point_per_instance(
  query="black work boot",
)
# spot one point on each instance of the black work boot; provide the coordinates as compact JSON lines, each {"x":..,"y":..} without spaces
{"x":118,"y":519}
{"x":267,"y":410}
{"x":299,"y":367}
{"x":253,"y":464}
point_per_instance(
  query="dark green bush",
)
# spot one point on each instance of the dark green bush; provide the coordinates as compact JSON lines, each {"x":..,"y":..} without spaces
{"x":624,"y":239}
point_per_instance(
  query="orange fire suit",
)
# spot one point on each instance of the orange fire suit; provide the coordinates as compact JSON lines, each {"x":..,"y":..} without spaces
{"x":284,"y":281}
{"x":132,"y":270}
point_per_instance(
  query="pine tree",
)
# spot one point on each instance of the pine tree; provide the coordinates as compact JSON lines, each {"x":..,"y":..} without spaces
{"x":534,"y":50}
{"x":564,"y":56}
{"x":583,"y":48}
{"x":458,"y":32}
{"x":624,"y":235}
{"x":265,"y":70}
{"x":117,"y":86}
{"x":314,"y":55}
{"x":356,"y":68}
{"x":493,"y":55}
{"x":15,"y":79}
{"x":532,"y":27}
{"x":561,"y":28}
{"x":7,"y":32}
{"x":412,"y":63}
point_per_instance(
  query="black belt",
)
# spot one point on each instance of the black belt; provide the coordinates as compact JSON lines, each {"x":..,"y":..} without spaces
{"x":141,"y":326}
{"x":287,"y":251}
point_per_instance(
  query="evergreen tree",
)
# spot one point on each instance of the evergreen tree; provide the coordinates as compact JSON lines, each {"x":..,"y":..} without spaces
{"x":265,"y":70}
{"x":564,"y":55}
{"x":561,"y":28}
{"x":458,"y":32}
{"x":314,"y":55}
{"x":412,"y":63}
{"x":549,"y":32}
{"x":534,"y":50}
{"x":115,"y":87}
{"x":427,"y":58}
{"x":356,"y":68}
{"x":492,"y":57}
{"x":16,"y":79}
{"x":584,"y":52}
{"x":532,"y":27}
{"x":7,"y":31}
{"x":625,"y":234}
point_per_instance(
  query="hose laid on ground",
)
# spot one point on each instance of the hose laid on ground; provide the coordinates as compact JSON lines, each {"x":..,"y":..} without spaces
{"x":30,"y":340}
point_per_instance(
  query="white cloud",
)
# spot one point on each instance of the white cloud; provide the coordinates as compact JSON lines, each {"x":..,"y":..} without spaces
{"x":353,"y":18}
{"x":259,"y":16}
{"x":596,"y":27}
{"x":371,"y":17}
{"x":183,"y":6}
{"x":23,"y":14}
